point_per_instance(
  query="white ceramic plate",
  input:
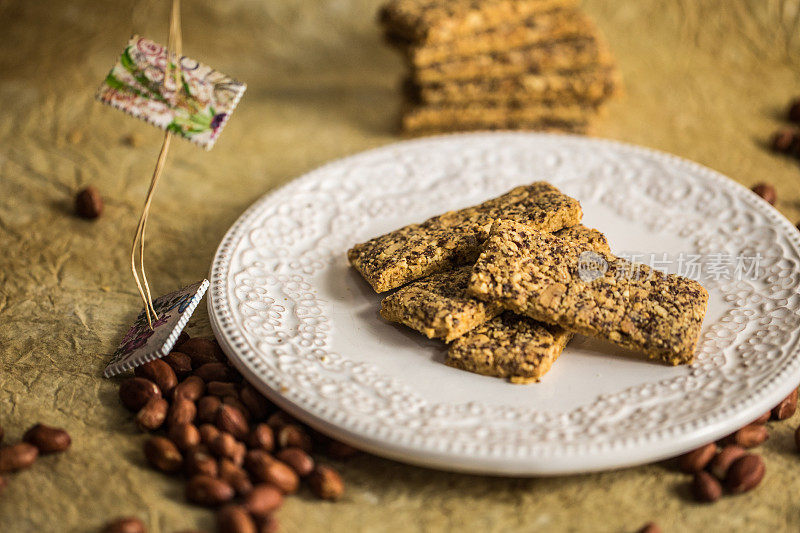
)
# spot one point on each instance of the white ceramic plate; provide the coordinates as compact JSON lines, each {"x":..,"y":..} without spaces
{"x":304,"y":328}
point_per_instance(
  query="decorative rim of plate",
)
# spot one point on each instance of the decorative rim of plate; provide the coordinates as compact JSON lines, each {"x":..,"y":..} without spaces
{"x":570,"y":458}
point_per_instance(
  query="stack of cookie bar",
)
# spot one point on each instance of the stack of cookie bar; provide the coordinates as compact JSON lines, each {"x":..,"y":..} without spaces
{"x":506,"y":283}
{"x":499,"y":64}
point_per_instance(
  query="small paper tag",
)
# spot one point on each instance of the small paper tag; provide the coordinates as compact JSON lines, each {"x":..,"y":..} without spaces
{"x":140,"y":85}
{"x":142,"y":344}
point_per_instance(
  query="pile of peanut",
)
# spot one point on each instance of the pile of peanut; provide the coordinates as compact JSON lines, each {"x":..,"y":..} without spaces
{"x":728,"y":460}
{"x":38,"y":440}
{"x":237,"y":451}
{"x":727,"y":465}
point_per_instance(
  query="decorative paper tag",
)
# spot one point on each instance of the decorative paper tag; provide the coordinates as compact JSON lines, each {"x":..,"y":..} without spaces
{"x":143,"y":344}
{"x":196,"y":110}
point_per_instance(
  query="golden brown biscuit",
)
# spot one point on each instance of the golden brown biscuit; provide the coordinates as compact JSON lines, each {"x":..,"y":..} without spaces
{"x":516,"y":33}
{"x":552,"y":56}
{"x":509,"y":346}
{"x":438,"y":306}
{"x":555,"y":281}
{"x":587,"y":87}
{"x":426,"y":119}
{"x":454,"y":238}
{"x":437,"y":21}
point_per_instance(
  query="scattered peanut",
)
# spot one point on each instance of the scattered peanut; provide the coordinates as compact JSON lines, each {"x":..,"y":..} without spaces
{"x":207,"y":409}
{"x":279,"y":419}
{"x":767,"y":192}
{"x":786,"y":408}
{"x":225,"y":445}
{"x":282,"y":476}
{"x":214,"y":371}
{"x":47,"y":439}
{"x":263,"y":500}
{"x":182,"y":411}
{"x":231,"y":420}
{"x":785,"y":141}
{"x":184,"y":436}
{"x":202,"y":351}
{"x":160,"y":373}
{"x":650,"y":527}
{"x":696,"y":460}
{"x":221,"y":388}
{"x":153,"y":414}
{"x":235,"y":519}
{"x":257,"y":405}
{"x":298,"y":459}
{"x":763,"y":419}
{"x":339,"y":450}
{"x":797,"y":438}
{"x":748,"y":437}
{"x":163,"y":454}
{"x":128,"y":524}
{"x":89,"y":203}
{"x":208,"y":433}
{"x":208,"y":491}
{"x":17,"y":457}
{"x":180,"y":363}
{"x":745,"y":473}
{"x":134,"y":393}
{"x":794,"y":111}
{"x":294,"y":436}
{"x":235,"y":476}
{"x":261,"y":437}
{"x":191,"y":388}
{"x":200,"y":462}
{"x":326,"y":483}
{"x":705,"y":487}
{"x":722,"y":462}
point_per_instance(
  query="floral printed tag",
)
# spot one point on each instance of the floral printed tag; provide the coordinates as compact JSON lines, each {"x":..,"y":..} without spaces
{"x":143,"y":344}
{"x":197,"y":108}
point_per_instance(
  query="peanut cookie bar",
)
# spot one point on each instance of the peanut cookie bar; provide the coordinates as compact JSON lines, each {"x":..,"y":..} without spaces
{"x":454,"y":238}
{"x":438,"y":305}
{"x":426,"y":119}
{"x":589,"y":86}
{"x":550,"y":26}
{"x":554,"y":56}
{"x":509,"y":346}
{"x":586,"y":238}
{"x":433,"y":21}
{"x":552,"y":280}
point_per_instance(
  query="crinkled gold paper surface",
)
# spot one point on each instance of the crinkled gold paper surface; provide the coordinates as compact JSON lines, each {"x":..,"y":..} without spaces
{"x":707,"y":79}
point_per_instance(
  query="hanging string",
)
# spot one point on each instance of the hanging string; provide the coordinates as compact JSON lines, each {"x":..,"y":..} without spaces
{"x":174,"y":52}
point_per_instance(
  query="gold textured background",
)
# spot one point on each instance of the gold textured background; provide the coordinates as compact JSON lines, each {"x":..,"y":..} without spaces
{"x":707,"y":80}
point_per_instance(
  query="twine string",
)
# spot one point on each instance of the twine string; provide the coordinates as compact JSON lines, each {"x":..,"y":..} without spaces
{"x":174,"y":53}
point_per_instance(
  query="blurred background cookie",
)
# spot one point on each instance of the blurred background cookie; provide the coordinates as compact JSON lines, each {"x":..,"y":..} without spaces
{"x":499,"y":64}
